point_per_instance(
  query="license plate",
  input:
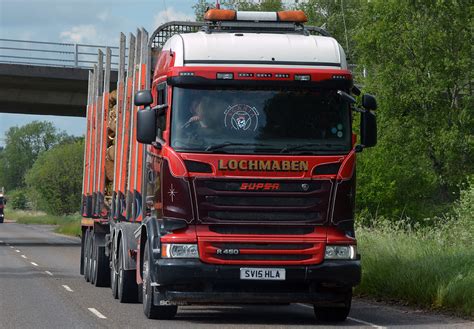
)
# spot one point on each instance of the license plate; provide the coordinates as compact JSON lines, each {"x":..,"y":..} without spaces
{"x":250,"y":273}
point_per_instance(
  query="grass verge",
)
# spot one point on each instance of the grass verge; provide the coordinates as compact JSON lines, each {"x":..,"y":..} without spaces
{"x":432,"y":267}
{"x":417,"y":269}
{"x":69,"y":225}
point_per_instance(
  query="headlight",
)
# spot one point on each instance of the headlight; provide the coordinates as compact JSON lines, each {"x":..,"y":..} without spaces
{"x":340,"y":252}
{"x":172,"y":250}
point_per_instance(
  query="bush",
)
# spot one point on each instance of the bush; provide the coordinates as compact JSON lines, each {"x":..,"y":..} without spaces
{"x":56,"y":178}
{"x":17,"y":199}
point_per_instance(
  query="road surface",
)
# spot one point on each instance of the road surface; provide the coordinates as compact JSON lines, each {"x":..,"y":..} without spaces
{"x":40,"y":287}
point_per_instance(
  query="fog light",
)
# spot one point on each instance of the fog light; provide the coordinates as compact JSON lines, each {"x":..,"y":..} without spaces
{"x":175,"y":250}
{"x":340,"y":252}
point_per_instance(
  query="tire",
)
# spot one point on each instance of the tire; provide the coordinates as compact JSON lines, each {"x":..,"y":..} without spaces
{"x":153,"y":311}
{"x":86,"y":257}
{"x":114,"y":272}
{"x":92,"y":262}
{"x":101,"y":268}
{"x":127,"y":285}
{"x":334,"y":314}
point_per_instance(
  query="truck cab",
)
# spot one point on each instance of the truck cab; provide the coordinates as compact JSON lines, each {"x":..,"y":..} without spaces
{"x":249,"y":167}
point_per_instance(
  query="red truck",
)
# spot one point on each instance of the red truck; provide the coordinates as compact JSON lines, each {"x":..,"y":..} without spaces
{"x":231,"y":177}
{"x":2,"y":205}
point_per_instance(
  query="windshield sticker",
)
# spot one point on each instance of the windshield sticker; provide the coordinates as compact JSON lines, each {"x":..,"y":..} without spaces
{"x":241,"y":117}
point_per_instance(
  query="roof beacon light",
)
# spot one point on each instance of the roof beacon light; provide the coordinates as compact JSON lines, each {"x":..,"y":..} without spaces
{"x":297,"y":16}
{"x":220,"y":15}
{"x":257,"y":16}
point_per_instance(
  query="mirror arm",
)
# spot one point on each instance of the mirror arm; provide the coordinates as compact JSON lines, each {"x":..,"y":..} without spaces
{"x":357,"y":109}
{"x":158,"y":144}
{"x":160,"y":109}
{"x":359,"y":148}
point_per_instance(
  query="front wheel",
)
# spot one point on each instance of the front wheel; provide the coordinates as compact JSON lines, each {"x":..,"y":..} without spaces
{"x":127,"y":285}
{"x":153,"y":311}
{"x":334,"y":314}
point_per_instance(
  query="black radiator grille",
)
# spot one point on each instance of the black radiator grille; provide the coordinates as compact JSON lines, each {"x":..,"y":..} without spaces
{"x":261,"y":229}
{"x":230,"y":201}
{"x":266,"y":216}
{"x":268,"y":201}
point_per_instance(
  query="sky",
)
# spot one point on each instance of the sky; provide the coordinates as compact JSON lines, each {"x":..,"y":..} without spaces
{"x":80,"y":21}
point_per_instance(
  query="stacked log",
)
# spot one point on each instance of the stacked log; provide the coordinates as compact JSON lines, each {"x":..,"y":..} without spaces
{"x":110,"y":154}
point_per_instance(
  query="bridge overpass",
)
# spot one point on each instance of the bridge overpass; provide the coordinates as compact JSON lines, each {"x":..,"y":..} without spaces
{"x":47,"y":78}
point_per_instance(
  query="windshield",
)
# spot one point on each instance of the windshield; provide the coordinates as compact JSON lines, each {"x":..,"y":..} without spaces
{"x":269,"y":121}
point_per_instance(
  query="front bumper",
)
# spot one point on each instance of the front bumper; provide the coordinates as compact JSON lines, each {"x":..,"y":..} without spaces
{"x":191,"y":281}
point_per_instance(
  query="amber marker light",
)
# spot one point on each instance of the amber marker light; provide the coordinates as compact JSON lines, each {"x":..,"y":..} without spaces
{"x":297,"y":16}
{"x":220,"y":15}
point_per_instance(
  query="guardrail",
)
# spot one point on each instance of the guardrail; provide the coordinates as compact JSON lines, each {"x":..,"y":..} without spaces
{"x":52,"y":53}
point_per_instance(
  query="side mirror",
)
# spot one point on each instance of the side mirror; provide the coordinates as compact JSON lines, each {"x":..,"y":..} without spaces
{"x":368,"y":129}
{"x":346,"y":97}
{"x":369,"y":102}
{"x":143,"y":97}
{"x":146,"y":125}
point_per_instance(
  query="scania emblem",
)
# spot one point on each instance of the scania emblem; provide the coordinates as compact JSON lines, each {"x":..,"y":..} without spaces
{"x":305,"y":187}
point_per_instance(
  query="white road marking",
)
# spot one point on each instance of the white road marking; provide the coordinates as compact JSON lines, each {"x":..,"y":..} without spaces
{"x":366,"y":323}
{"x":97,"y":313}
{"x":48,"y":272}
{"x":23,"y":256}
{"x":354,"y":319}
{"x":34,"y":264}
{"x":17,"y":250}
{"x":67,"y":288}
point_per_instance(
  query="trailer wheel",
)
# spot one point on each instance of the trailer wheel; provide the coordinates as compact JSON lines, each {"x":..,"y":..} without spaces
{"x":151,"y":310}
{"x":101,"y":267}
{"x":86,"y":256}
{"x":93,"y":259}
{"x":92,"y":262}
{"x":334,"y":314}
{"x":127,"y":285}
{"x":114,"y":272}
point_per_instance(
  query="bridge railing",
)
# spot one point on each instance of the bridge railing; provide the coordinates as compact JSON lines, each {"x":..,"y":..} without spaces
{"x":52,"y":53}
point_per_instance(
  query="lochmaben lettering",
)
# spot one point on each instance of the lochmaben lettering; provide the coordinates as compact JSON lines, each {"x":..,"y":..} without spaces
{"x":262,"y":165}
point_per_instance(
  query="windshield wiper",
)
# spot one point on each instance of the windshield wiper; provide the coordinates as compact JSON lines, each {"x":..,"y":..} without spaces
{"x":289,"y":148}
{"x":222,"y":145}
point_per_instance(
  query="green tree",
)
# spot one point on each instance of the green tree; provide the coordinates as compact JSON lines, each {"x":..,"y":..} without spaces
{"x":418,"y":55}
{"x":56,"y":178}
{"x":17,"y":199}
{"x":23,"y":145}
{"x":338,"y":17}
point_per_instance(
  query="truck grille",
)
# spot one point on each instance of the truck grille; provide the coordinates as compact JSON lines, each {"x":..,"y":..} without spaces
{"x":261,"y":229}
{"x":242,"y":201}
{"x":260,"y":253}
